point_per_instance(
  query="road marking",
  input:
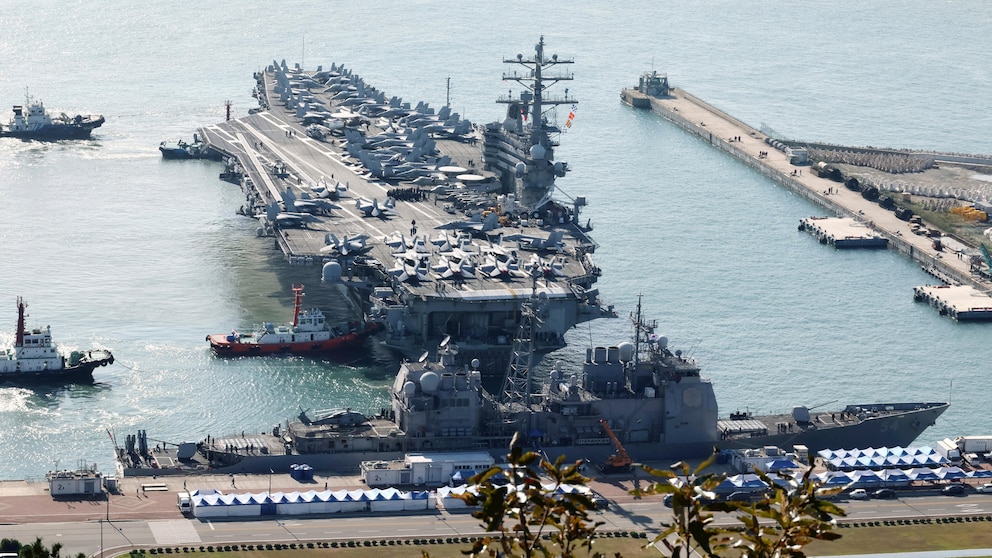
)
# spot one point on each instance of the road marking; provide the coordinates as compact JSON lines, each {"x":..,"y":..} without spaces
{"x":176,"y":531}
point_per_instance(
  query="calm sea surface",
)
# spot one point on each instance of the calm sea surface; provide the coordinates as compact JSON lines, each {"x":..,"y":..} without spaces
{"x":114,"y":247}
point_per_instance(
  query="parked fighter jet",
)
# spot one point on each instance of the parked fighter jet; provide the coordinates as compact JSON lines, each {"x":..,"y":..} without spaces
{"x":371,"y":208}
{"x":526,"y":242}
{"x":476,"y":226}
{"x":411,"y":265}
{"x":351,"y":245}
{"x":286,"y":219}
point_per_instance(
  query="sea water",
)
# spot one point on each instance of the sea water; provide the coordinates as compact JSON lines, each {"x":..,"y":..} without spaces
{"x":114,"y":247}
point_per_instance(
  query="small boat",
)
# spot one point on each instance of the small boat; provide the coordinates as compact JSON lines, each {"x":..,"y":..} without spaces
{"x":181,"y":149}
{"x":38,"y":124}
{"x":35,"y":358}
{"x":309,"y":333}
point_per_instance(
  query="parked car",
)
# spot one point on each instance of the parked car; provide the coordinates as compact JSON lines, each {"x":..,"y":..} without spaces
{"x":953,"y":490}
{"x":859,"y":494}
{"x":985,"y":489}
{"x":667,"y":500}
{"x":884,"y":493}
{"x":599,"y":501}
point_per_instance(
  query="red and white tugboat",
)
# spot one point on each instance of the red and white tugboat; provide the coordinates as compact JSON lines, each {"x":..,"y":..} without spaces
{"x":308,"y":333}
{"x":35,"y":358}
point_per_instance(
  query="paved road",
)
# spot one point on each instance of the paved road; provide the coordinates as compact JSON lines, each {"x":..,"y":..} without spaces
{"x":152,"y":519}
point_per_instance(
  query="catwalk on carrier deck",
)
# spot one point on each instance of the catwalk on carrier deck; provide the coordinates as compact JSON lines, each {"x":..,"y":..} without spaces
{"x":399,"y":203}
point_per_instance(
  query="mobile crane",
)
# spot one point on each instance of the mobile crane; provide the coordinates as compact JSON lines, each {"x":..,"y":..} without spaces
{"x":620,"y":462}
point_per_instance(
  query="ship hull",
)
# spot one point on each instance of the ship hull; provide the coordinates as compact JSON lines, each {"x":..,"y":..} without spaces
{"x":80,"y":373}
{"x":175,"y":153}
{"x":900,"y":429}
{"x":55,"y":132}
{"x":229,"y":345}
{"x":896,"y":430}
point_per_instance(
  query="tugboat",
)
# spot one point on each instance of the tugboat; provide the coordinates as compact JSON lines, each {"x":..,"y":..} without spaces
{"x":35,"y":358}
{"x":180,"y":149}
{"x":38,"y":124}
{"x":308,"y":333}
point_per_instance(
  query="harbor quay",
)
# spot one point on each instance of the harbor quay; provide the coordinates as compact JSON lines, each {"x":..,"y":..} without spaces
{"x":749,"y":145}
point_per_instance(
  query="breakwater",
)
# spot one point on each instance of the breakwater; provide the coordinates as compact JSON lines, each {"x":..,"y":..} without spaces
{"x":751,"y":147}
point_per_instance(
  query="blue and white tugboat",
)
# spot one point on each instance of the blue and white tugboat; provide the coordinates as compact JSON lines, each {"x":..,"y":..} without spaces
{"x":32,"y":121}
{"x":34,"y":358}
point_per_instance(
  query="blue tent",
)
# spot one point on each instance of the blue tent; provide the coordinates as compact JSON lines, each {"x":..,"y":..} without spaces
{"x":864,"y":478}
{"x":895,"y":475}
{"x":726,"y":487}
{"x":922,"y":473}
{"x":781,"y":465}
{"x":837,"y":479}
{"x":752,"y":482}
{"x":951,"y":473}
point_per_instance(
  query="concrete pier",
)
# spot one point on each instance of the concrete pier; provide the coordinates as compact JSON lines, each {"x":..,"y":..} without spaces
{"x":747,"y":145}
{"x":961,"y":302}
{"x":842,"y":232}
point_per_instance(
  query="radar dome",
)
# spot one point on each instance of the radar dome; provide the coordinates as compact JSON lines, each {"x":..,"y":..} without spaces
{"x":429,"y":382}
{"x":662,"y":342}
{"x":559,"y":169}
{"x":475,"y":364}
{"x":519,"y":169}
{"x":537,"y":151}
{"x":331,"y":272}
{"x":626,"y":351}
{"x":409,"y":389}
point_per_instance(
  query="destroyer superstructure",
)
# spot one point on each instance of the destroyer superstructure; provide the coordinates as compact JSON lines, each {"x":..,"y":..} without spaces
{"x":444,"y":233}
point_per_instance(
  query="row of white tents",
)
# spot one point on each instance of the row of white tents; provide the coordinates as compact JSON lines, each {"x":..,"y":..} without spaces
{"x":882,"y":458}
{"x":215,"y":504}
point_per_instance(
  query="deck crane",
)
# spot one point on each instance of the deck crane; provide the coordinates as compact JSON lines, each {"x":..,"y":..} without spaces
{"x":620,"y":462}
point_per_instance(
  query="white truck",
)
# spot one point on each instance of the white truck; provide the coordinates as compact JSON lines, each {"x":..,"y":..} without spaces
{"x":949,"y":449}
{"x":185,"y":503}
{"x":975,"y":444}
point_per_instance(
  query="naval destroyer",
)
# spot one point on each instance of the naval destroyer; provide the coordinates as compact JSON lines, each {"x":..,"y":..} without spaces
{"x":443,"y":227}
{"x":648,"y":397}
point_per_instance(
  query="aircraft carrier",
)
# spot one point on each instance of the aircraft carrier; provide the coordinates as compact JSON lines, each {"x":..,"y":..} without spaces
{"x":442,"y":225}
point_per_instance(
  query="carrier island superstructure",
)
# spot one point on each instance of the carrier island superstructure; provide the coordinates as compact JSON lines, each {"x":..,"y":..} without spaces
{"x":444,"y":226}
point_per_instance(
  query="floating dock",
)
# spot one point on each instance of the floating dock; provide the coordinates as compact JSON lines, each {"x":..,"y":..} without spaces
{"x":960,"y":302}
{"x":842,"y":232}
{"x":790,"y":167}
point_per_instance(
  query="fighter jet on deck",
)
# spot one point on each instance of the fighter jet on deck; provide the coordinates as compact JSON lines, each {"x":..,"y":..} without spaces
{"x":491,"y":222}
{"x":352,"y":245}
{"x":525,"y":242}
{"x":286,"y":219}
{"x":371,"y":207}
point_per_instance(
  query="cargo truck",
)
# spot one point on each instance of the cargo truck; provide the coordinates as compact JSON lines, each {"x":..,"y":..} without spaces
{"x":185,"y":503}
